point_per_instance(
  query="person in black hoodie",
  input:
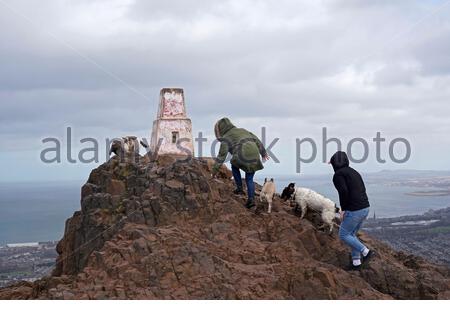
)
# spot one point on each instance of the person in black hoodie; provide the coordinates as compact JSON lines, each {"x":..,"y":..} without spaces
{"x":354,"y":207}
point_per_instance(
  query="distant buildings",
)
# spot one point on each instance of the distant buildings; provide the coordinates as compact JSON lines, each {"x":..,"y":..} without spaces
{"x":26,"y":261}
{"x":23,"y":245}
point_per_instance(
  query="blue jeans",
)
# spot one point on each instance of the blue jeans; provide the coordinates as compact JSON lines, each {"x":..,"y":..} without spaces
{"x":248,"y":181}
{"x":353,"y":221}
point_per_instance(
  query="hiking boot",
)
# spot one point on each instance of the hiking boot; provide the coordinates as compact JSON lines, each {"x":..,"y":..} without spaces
{"x":250,"y":203}
{"x":367,"y":258}
{"x":239,"y":191}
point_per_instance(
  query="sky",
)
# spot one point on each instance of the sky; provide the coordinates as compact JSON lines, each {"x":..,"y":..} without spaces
{"x":294,"y":67}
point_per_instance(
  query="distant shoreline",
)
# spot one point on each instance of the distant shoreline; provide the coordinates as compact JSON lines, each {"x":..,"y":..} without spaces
{"x":434,"y":193}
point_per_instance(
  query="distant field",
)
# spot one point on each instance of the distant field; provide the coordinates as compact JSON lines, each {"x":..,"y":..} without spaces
{"x":444,"y":229}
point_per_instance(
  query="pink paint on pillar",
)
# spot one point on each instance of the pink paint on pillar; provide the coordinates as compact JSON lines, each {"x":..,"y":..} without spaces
{"x":172,"y":129}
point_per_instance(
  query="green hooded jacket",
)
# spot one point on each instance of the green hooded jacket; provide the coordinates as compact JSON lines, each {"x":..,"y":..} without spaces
{"x":243,"y":145}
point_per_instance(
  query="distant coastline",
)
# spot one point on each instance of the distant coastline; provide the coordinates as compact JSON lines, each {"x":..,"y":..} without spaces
{"x":37,"y":211}
{"x":430,"y":193}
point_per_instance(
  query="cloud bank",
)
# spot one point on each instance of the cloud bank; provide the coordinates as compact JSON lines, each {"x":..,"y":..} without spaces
{"x":356,"y":67}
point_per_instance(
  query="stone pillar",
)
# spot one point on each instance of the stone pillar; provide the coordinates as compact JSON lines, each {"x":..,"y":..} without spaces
{"x":172,"y":129}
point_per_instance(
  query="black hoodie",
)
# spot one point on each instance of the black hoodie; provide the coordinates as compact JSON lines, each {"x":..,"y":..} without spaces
{"x":349,"y":184}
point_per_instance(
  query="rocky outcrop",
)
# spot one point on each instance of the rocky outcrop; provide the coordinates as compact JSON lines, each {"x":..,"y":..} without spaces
{"x":166,"y":229}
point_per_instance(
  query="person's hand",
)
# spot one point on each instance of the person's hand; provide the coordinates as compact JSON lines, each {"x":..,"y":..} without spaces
{"x":342,"y":215}
{"x":215,"y":170}
{"x":266,"y":157}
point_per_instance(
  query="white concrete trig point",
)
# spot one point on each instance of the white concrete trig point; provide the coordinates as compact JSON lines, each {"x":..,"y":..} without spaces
{"x":172,"y":129}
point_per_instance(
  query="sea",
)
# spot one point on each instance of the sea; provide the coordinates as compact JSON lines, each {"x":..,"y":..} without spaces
{"x":36,"y":211}
{"x":33,"y":212}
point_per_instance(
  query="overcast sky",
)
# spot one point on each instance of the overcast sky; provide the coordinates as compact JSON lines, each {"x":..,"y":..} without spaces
{"x":356,"y":67}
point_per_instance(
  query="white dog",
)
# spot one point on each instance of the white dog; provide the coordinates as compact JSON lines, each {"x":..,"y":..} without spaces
{"x":126,"y":146}
{"x":267,"y":193}
{"x":309,"y":199}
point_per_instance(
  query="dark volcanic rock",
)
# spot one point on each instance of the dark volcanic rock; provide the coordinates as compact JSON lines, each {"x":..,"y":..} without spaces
{"x":167,"y":230}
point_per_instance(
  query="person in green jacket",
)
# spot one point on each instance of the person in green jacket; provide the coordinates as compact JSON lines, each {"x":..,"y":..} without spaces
{"x":245,"y":149}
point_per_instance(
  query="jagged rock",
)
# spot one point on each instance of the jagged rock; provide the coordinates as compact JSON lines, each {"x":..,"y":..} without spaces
{"x":166,"y":229}
{"x":115,"y":187}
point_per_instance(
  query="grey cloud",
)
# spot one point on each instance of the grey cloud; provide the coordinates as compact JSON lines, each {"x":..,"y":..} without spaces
{"x":187,"y":9}
{"x":289,"y":64}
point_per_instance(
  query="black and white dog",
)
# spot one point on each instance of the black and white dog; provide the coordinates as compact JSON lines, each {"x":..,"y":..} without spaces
{"x":288,"y":192}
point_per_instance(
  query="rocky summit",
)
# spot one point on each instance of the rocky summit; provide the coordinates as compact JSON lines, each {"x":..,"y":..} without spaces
{"x":166,"y":229}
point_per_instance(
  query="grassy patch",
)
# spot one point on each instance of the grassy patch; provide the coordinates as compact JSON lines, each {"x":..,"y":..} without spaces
{"x":444,"y":229}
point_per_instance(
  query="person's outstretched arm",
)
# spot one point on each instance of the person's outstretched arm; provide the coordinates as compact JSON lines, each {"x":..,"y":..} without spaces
{"x":221,"y":157}
{"x":341,"y":187}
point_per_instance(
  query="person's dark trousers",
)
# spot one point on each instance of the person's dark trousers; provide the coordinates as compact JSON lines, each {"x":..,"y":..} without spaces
{"x":248,"y":181}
